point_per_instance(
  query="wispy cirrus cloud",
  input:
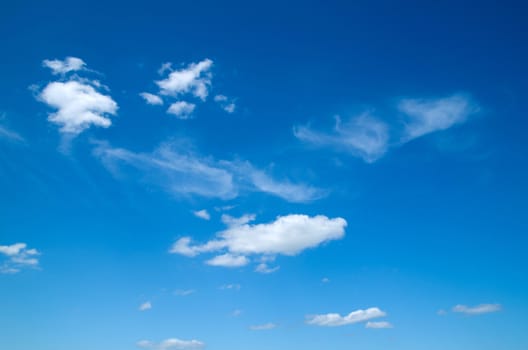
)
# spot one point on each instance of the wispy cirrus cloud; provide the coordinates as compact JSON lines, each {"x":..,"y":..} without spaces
{"x":79,"y":102}
{"x":179,"y":170}
{"x":365,"y":137}
{"x":425,"y":116}
{"x":335,"y":320}
{"x":171,"y":344}
{"x":369,"y":137}
{"x":17,"y":257}
{"x":287,"y":235}
{"x":379,"y":325}
{"x":477,"y":310}
{"x":263,"y":327}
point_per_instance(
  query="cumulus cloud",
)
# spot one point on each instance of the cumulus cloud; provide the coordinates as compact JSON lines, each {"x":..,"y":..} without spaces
{"x":334,"y":320}
{"x":17,"y":257}
{"x":227,"y":104}
{"x":145,"y":306}
{"x":194,"y":79}
{"x":379,"y":325}
{"x":182,"y":172}
{"x":69,"y":64}
{"x":181,"y":109}
{"x":286,"y":235}
{"x":425,"y":116}
{"x":151,"y":99}
{"x":202,"y":214}
{"x":171,"y":344}
{"x":365,"y":137}
{"x":477,"y":310}
{"x":78,"y":105}
{"x":78,"y":102}
{"x":263,"y":327}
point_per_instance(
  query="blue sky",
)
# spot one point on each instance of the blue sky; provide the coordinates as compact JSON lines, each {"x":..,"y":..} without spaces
{"x":234,"y":175}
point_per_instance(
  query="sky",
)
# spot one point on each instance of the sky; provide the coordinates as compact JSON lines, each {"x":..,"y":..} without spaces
{"x":263,"y":175}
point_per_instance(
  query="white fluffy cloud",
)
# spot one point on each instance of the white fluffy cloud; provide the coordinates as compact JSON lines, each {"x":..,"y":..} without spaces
{"x":194,"y":79}
{"x":263,"y":327}
{"x":424,"y":116}
{"x":365,"y":137}
{"x":286,"y":235}
{"x":78,"y":105}
{"x":477,"y":310}
{"x":180,"y":171}
{"x":334,"y":320}
{"x":379,"y":325}
{"x":181,"y":109}
{"x":17,"y":256}
{"x":78,"y":102}
{"x":171,"y":344}
{"x":69,"y":64}
{"x":151,"y":99}
{"x":145,"y":306}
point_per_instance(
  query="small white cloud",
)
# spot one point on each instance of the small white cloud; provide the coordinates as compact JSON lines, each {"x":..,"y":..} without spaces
{"x":228,"y":260}
{"x":8,"y":134}
{"x":17,"y":257}
{"x":230,"y":286}
{"x":202,"y":214}
{"x":425,"y":116}
{"x":181,"y":109}
{"x":263,"y":327}
{"x":78,"y":105}
{"x":325,"y":280}
{"x":226,"y":103}
{"x":171,"y":344}
{"x":184,"y":292}
{"x":151,"y":99}
{"x":379,"y":325}
{"x":194,"y":79}
{"x":264,"y":268}
{"x":334,"y":320}
{"x":69,"y":64}
{"x":365,"y":137}
{"x":145,"y":306}
{"x":441,"y":312}
{"x":477,"y":310}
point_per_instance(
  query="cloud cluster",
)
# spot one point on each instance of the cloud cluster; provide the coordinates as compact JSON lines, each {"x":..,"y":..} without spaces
{"x":335,"y":320}
{"x":193,"y":81}
{"x":17,"y":256}
{"x":180,"y":171}
{"x":286,"y":235}
{"x":171,"y":344}
{"x":78,"y":102}
{"x":369,"y":138}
